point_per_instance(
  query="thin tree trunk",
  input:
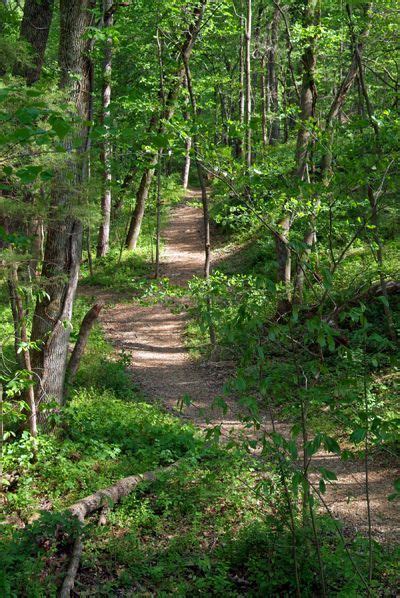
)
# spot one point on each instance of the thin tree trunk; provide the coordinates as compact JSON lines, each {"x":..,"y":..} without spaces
{"x":186,"y":166}
{"x":273,"y":78}
{"x":373,"y":200}
{"x":263,"y":92}
{"x":204,"y":195}
{"x":248,"y":83}
{"x":158,"y":217}
{"x":284,"y":260}
{"x":59,"y":277}
{"x":25,"y":362}
{"x":342,"y":93}
{"x":83,"y":336}
{"x":308,"y":95}
{"x":159,"y":124}
{"x":242,"y":95}
{"x":188,"y":147}
{"x":35,"y":27}
{"x":105,"y":153}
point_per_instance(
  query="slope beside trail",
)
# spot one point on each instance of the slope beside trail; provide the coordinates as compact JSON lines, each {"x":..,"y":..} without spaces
{"x":154,"y":338}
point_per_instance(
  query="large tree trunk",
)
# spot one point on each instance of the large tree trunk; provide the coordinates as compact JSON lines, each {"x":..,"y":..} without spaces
{"x":105,"y":153}
{"x":159,"y":124}
{"x":51,"y":322}
{"x":35,"y":28}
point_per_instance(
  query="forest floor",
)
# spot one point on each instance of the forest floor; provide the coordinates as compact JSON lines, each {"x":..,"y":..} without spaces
{"x":153,"y":336}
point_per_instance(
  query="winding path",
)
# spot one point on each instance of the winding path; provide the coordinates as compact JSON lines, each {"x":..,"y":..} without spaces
{"x":161,"y":365}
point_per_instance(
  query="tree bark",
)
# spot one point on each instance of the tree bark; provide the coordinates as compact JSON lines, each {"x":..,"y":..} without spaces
{"x":19,"y":314}
{"x":186,"y":166}
{"x":76,"y":356}
{"x":308,"y":94}
{"x":242,"y":95}
{"x":59,"y":276}
{"x":273,"y":78}
{"x":248,"y":83}
{"x":158,"y":216}
{"x":105,"y":153}
{"x":373,"y":199}
{"x":263,"y":93}
{"x":35,"y":27}
{"x":158,"y":124}
{"x":204,"y":195}
{"x":341,"y":95}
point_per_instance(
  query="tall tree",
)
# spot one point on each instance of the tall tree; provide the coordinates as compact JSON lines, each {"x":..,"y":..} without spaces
{"x":59,"y":277}
{"x":105,"y":152}
{"x":35,"y":27}
{"x":248,"y":32}
{"x":273,"y":78}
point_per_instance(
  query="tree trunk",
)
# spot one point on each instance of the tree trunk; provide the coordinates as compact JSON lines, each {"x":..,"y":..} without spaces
{"x":35,"y":27}
{"x":263,"y":92}
{"x":188,"y":147}
{"x":284,"y":261}
{"x":273,"y":78}
{"x":186,"y":166}
{"x":21,"y":335}
{"x":242,"y":95}
{"x":204,"y":195}
{"x":166,"y":115}
{"x":87,"y":324}
{"x":308,"y":94}
{"x":373,"y":199}
{"x":59,"y":277}
{"x":158,"y":216}
{"x":341,"y":96}
{"x":105,"y":153}
{"x":248,"y":82}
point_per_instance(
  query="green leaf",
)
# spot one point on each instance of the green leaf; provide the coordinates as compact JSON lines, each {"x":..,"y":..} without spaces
{"x":327,"y":474}
{"x":59,"y":126}
{"x":27,"y":115}
{"x":28,"y":174}
{"x":358,"y":435}
{"x":331,"y":445}
{"x":322,"y":486}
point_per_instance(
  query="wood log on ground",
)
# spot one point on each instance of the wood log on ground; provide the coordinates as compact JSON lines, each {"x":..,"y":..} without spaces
{"x":101,"y":500}
{"x":373,"y":292}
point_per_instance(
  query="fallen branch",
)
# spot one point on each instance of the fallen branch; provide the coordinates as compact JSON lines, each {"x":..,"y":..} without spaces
{"x":69,"y":580}
{"x":392,"y":288}
{"x":102,"y":499}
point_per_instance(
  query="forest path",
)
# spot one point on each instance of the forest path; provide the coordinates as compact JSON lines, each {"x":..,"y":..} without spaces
{"x":161,"y":365}
{"x":154,"y":335}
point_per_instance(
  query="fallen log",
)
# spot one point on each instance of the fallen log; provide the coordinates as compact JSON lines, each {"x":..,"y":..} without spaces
{"x":100,"y":500}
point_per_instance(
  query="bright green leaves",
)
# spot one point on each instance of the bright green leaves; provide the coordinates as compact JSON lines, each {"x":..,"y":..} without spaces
{"x":358,"y":435}
{"x":60,"y":126}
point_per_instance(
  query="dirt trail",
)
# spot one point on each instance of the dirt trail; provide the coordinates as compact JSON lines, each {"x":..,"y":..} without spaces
{"x":154,"y":336}
{"x":161,"y":365}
